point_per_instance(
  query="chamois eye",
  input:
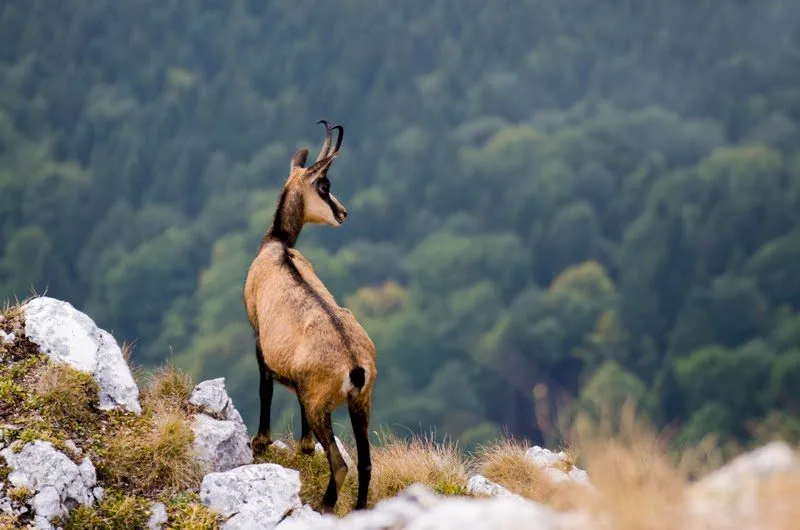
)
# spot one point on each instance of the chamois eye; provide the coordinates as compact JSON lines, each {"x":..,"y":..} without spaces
{"x":324,"y":186}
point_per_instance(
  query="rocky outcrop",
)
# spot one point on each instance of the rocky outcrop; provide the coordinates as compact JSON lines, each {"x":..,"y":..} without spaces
{"x":255,"y":496}
{"x":731,"y":496}
{"x":480,"y":486}
{"x":458,"y":513}
{"x":70,"y":336}
{"x":221,"y":441}
{"x":557,"y":466}
{"x":7,"y":338}
{"x":44,"y":483}
{"x":213,"y":399}
{"x":57,"y":484}
{"x":396,"y":513}
{"x":300,"y":519}
{"x":418,"y":508}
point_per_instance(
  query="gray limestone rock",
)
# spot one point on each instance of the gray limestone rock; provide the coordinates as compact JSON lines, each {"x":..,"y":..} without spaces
{"x":57,"y":483}
{"x":221,"y":444}
{"x":481,"y":486}
{"x":252,"y":496}
{"x":67,"y":335}
{"x":213,"y":399}
{"x":158,"y":517}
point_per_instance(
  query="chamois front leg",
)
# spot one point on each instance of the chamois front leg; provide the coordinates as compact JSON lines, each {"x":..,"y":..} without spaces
{"x":321,"y":425}
{"x":306,"y":439}
{"x":263,"y":437}
{"x":359,"y":409}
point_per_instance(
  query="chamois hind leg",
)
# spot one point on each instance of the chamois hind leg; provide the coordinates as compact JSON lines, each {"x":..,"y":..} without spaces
{"x":359,"y":409}
{"x":321,"y":425}
{"x":263,"y":437}
{"x":306,"y":439}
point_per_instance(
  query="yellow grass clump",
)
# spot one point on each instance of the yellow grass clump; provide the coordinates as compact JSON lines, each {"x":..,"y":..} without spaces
{"x":505,"y":463}
{"x":186,"y":512}
{"x":156,"y":456}
{"x":168,"y":386}
{"x":66,"y":395}
{"x":397,"y":463}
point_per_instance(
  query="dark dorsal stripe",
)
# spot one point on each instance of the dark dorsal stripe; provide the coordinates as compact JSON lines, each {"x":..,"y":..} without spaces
{"x":314,"y":295}
{"x":288,"y":220}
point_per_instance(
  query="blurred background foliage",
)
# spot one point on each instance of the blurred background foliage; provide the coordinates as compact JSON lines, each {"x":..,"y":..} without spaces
{"x":596,"y":200}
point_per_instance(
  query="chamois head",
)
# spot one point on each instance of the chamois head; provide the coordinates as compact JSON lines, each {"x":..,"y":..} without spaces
{"x":306,"y":196}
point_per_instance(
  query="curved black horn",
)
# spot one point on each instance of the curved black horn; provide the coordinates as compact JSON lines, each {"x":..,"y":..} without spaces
{"x":339,"y":138}
{"x":326,"y":144}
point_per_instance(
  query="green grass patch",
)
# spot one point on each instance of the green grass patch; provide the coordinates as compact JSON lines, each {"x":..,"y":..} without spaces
{"x":151,"y":456}
{"x":186,"y":512}
{"x":20,"y":494}
{"x":117,"y":511}
{"x":66,"y":396}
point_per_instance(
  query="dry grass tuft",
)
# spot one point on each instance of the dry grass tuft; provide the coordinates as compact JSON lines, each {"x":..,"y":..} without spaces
{"x":66,"y":394}
{"x":152,"y":456}
{"x":397,"y":463}
{"x":505,"y":463}
{"x":20,"y":494}
{"x":638,"y":485}
{"x":12,"y":321}
{"x":8,"y":522}
{"x":167,"y":387}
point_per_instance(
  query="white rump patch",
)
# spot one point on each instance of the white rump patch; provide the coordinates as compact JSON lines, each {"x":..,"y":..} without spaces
{"x":347,"y":385}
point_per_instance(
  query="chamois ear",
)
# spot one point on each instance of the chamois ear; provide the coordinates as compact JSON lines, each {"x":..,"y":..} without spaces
{"x":299,"y":158}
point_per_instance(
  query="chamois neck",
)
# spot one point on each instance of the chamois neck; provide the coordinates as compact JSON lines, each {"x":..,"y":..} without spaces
{"x":288,"y":219}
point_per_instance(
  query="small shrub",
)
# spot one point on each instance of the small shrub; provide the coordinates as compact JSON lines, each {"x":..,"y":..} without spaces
{"x":397,"y":463}
{"x":116,"y":511}
{"x":152,"y":455}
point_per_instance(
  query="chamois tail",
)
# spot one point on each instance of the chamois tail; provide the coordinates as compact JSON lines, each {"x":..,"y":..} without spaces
{"x":358,"y":376}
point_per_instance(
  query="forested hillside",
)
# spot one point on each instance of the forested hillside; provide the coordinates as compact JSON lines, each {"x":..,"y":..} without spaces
{"x":551,"y":202}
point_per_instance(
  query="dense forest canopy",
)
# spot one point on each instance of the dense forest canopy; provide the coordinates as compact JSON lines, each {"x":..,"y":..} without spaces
{"x":552,"y":203}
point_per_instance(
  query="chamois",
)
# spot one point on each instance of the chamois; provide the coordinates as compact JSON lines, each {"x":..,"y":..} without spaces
{"x":304,"y":339}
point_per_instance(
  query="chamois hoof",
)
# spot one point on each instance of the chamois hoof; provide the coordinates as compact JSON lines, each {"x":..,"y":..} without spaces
{"x":261,"y":442}
{"x":307,"y":448}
